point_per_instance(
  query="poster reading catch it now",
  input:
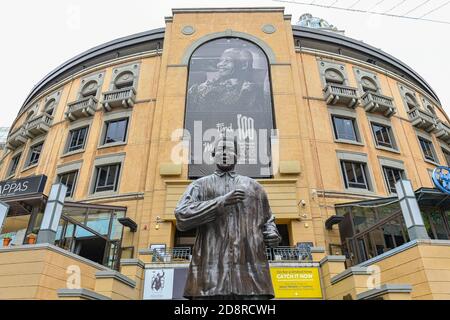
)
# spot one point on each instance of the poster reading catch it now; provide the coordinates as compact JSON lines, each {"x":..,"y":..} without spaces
{"x":296,"y":283}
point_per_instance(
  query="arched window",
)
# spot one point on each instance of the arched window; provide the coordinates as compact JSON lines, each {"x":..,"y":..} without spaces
{"x":369,"y":85}
{"x":124,"y":80}
{"x":333,"y":76}
{"x":229,"y":90}
{"x":410,"y":101}
{"x":89,"y":89}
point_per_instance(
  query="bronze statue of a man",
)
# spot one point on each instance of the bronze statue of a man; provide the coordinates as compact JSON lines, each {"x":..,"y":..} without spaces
{"x":234,"y":224}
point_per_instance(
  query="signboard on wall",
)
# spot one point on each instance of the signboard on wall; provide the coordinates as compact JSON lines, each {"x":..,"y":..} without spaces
{"x":441,"y":178}
{"x":22,"y":187}
{"x":158,"y":284}
{"x":229,"y":91}
{"x":296,"y":283}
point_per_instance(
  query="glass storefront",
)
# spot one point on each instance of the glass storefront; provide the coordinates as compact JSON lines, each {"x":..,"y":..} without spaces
{"x":371,"y":228}
{"x":90,"y":231}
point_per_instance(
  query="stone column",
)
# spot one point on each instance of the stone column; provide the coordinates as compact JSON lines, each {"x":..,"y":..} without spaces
{"x":410,"y":209}
{"x":52,"y":214}
{"x":4,"y":208}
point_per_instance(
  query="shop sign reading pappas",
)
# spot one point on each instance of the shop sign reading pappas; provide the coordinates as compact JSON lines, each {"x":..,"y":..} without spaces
{"x":296,"y":283}
{"x":21,"y":187}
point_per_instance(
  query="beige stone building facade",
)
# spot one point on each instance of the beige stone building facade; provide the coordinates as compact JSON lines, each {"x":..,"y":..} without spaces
{"x":350,"y":122}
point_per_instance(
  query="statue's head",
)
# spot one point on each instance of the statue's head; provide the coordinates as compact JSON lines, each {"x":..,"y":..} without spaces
{"x":225,"y":153}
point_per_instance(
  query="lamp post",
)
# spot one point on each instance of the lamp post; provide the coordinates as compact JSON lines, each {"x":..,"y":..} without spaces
{"x":52,"y":214}
{"x":410,"y":210}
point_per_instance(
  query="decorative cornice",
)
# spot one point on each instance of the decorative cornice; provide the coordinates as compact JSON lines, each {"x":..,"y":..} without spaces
{"x":227,"y":10}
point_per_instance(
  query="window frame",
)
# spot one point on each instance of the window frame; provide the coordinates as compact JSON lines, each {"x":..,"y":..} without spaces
{"x":347,"y":114}
{"x":112,"y":117}
{"x":336,"y":132}
{"x":362,"y":167}
{"x":17,"y":156}
{"x":348,"y":156}
{"x":69,"y":141}
{"x":124,"y":134}
{"x":115,"y":186}
{"x":102,"y":161}
{"x":31,"y":152}
{"x":435,"y":159}
{"x":75,"y":180}
{"x":388,"y":186}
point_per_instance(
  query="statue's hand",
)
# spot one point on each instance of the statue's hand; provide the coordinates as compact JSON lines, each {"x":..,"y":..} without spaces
{"x":234,"y":197}
{"x":271,"y":239}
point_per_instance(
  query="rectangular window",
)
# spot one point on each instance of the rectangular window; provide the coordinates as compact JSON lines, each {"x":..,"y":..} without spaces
{"x":35,"y":154}
{"x":427,"y":149}
{"x":392,"y":175}
{"x":355,"y":175}
{"x":446,"y":155}
{"x":14,"y":164}
{"x":77,"y":139}
{"x":69,"y":179}
{"x":383,"y":135}
{"x":344,"y":128}
{"x":107,"y":178}
{"x":116,"y":131}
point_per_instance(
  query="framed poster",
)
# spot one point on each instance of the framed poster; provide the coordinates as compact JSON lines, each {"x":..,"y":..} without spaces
{"x":158,"y":284}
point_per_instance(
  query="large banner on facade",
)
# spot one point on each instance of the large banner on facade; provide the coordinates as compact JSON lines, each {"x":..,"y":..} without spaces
{"x":229,"y":91}
{"x":296,"y":283}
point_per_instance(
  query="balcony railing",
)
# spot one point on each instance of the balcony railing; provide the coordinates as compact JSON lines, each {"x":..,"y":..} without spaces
{"x":172,"y":255}
{"x":16,"y":138}
{"x":38,"y":125}
{"x":374,"y":102}
{"x":82,"y":108}
{"x":124,"y":98}
{"x":288,"y":254}
{"x":422,"y":119}
{"x":443,"y":131}
{"x":337,"y":94}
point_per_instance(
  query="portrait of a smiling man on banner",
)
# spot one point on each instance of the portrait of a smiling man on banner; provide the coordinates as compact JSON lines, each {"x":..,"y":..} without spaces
{"x":229,"y":88}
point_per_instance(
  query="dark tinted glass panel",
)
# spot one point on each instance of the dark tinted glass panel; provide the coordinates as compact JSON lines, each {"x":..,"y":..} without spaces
{"x":344,"y":128}
{"x":14,"y":164}
{"x":116,"y":131}
{"x":392,"y":175}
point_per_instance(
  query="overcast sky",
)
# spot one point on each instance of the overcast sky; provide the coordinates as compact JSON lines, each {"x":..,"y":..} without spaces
{"x":39,"y":35}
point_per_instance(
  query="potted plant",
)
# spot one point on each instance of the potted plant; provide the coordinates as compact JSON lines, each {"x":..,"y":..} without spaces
{"x":32,"y":238}
{"x":7,"y":239}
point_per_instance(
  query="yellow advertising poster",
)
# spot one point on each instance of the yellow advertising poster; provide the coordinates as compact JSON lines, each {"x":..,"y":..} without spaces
{"x":296,"y":283}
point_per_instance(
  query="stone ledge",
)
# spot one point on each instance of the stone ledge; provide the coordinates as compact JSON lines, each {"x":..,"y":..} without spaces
{"x":384,"y":289}
{"x":116,"y":276}
{"x":332,"y":259}
{"x":353,"y":271}
{"x":317,"y":249}
{"x":81,"y":293}
{"x":132,"y":262}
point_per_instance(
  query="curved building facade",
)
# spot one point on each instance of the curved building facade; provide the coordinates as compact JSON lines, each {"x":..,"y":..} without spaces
{"x":340,"y":123}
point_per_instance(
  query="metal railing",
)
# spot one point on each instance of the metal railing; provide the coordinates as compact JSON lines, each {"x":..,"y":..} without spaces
{"x":84,"y":103}
{"x":288,"y":254}
{"x":173,"y":255}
